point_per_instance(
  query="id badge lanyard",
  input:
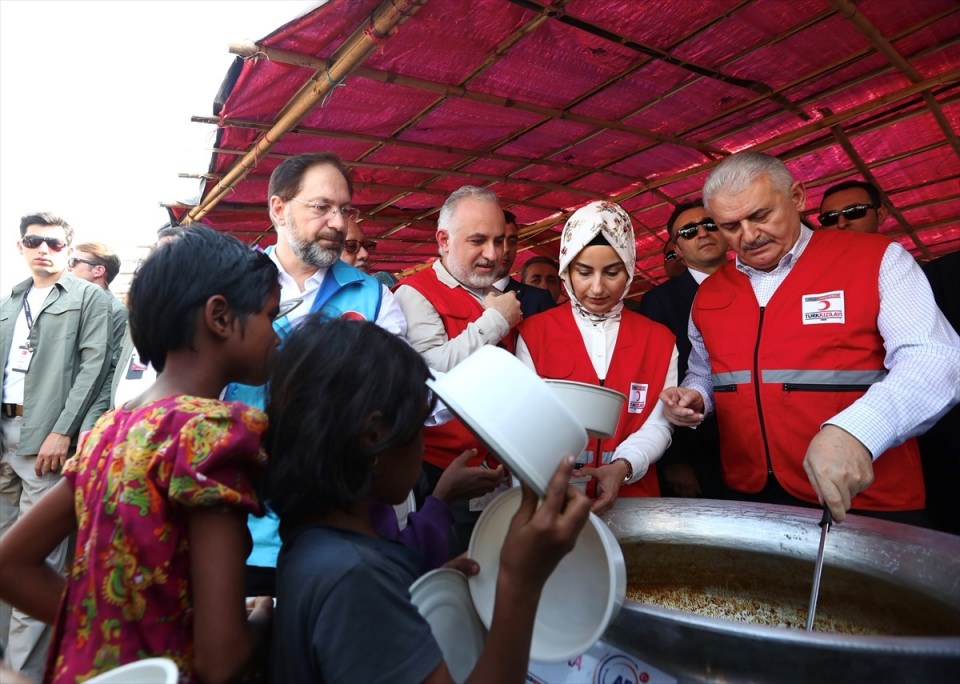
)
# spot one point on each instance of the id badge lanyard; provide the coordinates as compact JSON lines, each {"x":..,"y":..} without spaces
{"x":25,"y":352}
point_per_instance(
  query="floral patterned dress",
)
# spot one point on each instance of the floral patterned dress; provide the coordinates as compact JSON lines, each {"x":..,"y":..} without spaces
{"x":135,"y":477}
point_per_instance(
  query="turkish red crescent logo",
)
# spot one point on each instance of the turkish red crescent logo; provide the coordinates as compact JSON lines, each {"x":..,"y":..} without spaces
{"x":352,"y":316}
{"x":825,"y":304}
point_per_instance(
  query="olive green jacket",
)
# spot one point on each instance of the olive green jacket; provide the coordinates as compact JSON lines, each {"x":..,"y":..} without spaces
{"x":104,"y":401}
{"x":72,"y":338}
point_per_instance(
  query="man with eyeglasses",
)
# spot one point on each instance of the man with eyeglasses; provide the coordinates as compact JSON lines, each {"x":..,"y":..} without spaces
{"x":691,"y":465}
{"x":356,"y":247}
{"x":852,"y":205}
{"x":823,"y":353}
{"x":309,"y":199}
{"x":55,"y":336}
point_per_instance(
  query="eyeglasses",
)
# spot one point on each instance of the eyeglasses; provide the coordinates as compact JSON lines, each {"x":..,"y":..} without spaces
{"x":286,"y":307}
{"x":323,"y":210}
{"x":851,"y":212}
{"x":353,"y":246}
{"x":669,"y":256}
{"x":73,"y":261}
{"x":690,"y":230}
{"x":34,"y":241}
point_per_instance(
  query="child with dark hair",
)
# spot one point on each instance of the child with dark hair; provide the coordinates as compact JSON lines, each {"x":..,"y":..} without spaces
{"x":343,"y":606}
{"x":159,"y":491}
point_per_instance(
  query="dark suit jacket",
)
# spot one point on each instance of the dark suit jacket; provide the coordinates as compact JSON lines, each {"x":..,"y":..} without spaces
{"x":670,"y":303}
{"x":533,"y":300}
{"x":940,"y":446}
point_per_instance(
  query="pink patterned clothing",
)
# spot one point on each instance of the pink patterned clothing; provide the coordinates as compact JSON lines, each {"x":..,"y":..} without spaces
{"x":128,"y":595}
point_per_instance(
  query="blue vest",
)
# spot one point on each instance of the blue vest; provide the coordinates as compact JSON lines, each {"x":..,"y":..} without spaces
{"x":344,"y":293}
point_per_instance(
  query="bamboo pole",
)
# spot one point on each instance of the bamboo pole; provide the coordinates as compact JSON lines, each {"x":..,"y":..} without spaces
{"x":358,"y":46}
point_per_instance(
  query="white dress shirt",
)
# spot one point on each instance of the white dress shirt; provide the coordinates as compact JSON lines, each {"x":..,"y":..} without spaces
{"x":646,"y":445}
{"x":390,"y":317}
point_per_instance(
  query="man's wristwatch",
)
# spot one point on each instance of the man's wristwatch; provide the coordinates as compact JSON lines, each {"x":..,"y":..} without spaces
{"x":629,"y":468}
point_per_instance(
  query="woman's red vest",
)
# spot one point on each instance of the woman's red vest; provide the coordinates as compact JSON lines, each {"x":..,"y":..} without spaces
{"x":782,"y":371}
{"x":641,"y":355}
{"x":457,"y":309}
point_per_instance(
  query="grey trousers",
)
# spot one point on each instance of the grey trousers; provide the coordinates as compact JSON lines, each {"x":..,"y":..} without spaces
{"x":25,"y":639}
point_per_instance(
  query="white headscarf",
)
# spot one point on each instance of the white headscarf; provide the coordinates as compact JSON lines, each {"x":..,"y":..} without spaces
{"x":583,"y":226}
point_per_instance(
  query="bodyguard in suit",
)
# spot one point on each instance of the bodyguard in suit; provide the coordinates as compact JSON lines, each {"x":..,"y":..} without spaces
{"x":691,"y":466}
{"x":532,"y":299}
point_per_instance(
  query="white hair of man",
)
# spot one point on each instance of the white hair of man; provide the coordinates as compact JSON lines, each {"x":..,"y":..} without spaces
{"x":445,"y":219}
{"x":739,"y":170}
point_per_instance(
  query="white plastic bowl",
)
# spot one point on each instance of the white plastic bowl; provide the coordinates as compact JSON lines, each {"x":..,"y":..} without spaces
{"x":147,"y":671}
{"x":598,"y":408}
{"x":513,"y":412}
{"x":579,"y":600}
{"x":443,"y":599}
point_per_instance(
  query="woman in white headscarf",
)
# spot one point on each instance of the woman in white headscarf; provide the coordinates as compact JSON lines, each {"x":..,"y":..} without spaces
{"x":596,"y":340}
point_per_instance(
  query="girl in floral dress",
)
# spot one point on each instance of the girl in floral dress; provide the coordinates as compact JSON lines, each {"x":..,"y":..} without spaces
{"x":159,"y":491}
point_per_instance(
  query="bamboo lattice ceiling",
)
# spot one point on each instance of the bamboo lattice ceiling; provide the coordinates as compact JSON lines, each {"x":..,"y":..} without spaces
{"x":553,"y":104}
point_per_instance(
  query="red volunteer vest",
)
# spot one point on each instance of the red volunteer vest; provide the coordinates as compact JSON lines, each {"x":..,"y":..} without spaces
{"x":641,"y":356}
{"x":457,"y":309}
{"x":782,"y":371}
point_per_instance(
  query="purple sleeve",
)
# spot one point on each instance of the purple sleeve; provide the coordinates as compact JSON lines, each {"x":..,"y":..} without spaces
{"x":427,"y":530}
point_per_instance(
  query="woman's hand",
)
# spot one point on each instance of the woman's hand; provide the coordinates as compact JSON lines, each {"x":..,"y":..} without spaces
{"x":609,"y":480}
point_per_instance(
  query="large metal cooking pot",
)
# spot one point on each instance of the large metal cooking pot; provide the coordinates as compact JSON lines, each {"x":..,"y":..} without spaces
{"x":902,"y":581}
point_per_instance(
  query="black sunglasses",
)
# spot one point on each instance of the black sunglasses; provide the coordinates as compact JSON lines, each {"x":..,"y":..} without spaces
{"x":34,"y":241}
{"x":353,"y":246}
{"x":669,"y":256}
{"x":73,"y":261}
{"x":690,"y":230}
{"x":851,"y":213}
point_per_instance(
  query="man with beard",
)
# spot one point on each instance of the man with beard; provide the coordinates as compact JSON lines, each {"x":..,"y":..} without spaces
{"x":309,"y":202}
{"x":452,"y":309}
{"x":310,"y":207}
{"x":691,"y":465}
{"x":823,"y":352}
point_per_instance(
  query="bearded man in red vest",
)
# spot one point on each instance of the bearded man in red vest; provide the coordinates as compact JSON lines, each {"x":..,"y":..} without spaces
{"x":823,"y":353}
{"x":452,"y":309}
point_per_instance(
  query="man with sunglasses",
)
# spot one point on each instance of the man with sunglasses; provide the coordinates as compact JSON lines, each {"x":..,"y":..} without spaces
{"x":852,"y":205}
{"x":672,"y":260}
{"x":823,"y":352}
{"x":691,"y":465}
{"x":356,"y":247}
{"x":55,"y":336}
{"x":98,"y":264}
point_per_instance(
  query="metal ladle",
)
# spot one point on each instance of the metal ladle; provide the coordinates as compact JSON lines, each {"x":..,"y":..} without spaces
{"x":825,"y":523}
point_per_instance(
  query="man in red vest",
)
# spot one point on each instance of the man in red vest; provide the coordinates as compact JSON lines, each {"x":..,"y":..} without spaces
{"x":823,"y":353}
{"x":452,"y":309}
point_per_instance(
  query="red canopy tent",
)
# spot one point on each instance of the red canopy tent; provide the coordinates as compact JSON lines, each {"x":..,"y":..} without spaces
{"x":552,"y":104}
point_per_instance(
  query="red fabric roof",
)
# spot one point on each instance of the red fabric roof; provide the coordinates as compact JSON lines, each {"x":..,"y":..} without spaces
{"x":555,"y":104}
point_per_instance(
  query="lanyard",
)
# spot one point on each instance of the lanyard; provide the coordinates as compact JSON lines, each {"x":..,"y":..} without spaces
{"x":26,"y":308}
